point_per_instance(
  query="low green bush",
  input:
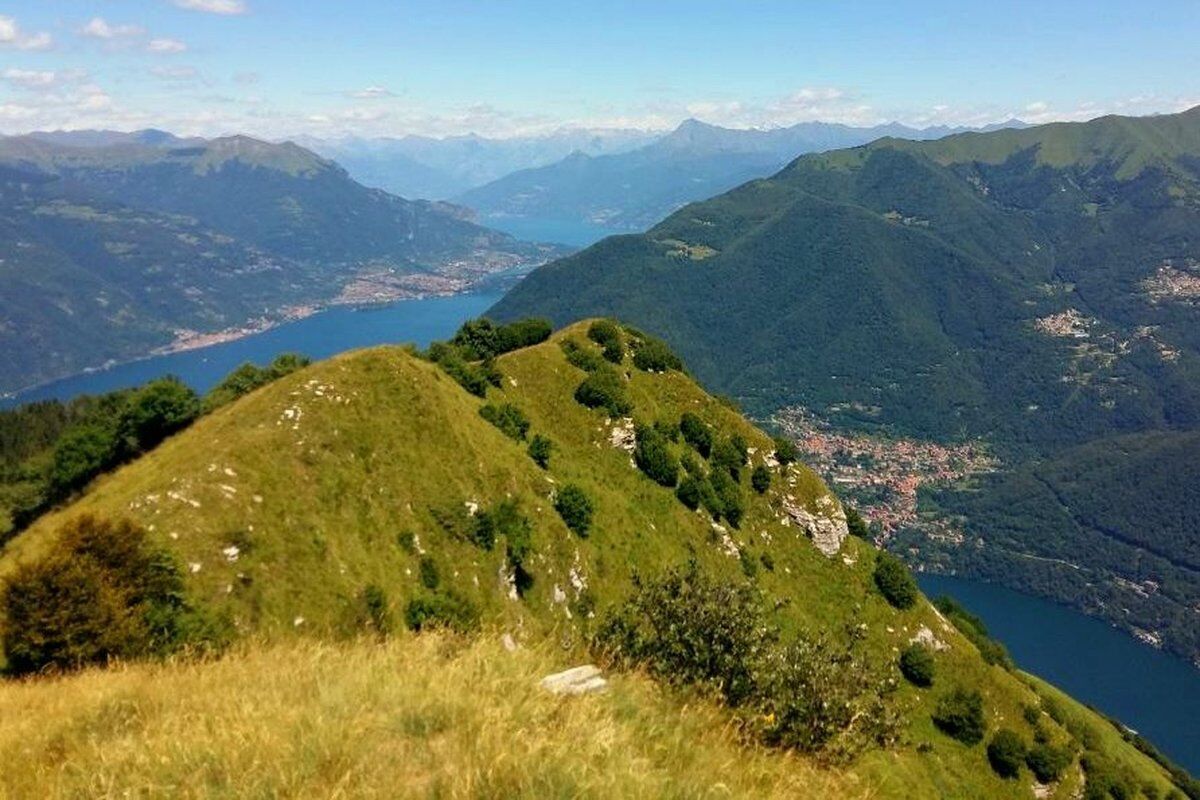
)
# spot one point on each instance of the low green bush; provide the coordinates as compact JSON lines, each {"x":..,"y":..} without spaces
{"x":1006,"y":753}
{"x":959,"y":715}
{"x":917,"y":665}
{"x":653,"y":456}
{"x":540,"y":448}
{"x":894,"y":581}
{"x":760,"y":479}
{"x":604,"y":388}
{"x":575,"y":507}
{"x":1047,"y":762}
{"x":511,"y":421}
{"x":607,"y":334}
{"x":443,"y":609}
{"x":582,"y":357}
{"x":785,"y":450}
{"x":696,"y":433}
{"x":653,"y":355}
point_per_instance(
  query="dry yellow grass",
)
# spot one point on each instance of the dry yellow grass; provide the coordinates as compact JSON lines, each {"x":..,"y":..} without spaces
{"x":427,"y":716}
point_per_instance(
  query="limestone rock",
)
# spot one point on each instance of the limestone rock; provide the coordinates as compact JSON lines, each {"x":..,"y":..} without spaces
{"x":927,"y":638}
{"x":577,"y":680}
{"x":827,"y":528}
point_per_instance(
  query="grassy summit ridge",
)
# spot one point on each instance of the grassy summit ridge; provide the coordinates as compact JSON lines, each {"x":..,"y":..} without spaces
{"x":312,"y":508}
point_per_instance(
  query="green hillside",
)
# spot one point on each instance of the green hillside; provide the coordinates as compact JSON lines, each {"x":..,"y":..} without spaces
{"x":372,"y":492}
{"x":1035,"y":289}
{"x":109,"y":252}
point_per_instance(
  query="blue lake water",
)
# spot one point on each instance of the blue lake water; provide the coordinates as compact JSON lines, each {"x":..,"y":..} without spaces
{"x":319,"y":336}
{"x":1154,"y":693}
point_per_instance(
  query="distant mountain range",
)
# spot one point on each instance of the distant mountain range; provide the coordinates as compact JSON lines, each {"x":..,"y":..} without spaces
{"x":631,"y":191}
{"x":437,"y":169}
{"x":118,"y":243}
{"x":1036,"y":288}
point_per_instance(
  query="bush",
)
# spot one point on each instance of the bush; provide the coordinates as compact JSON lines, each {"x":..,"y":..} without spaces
{"x":475,"y":378}
{"x":894,"y":581}
{"x":785,"y":450}
{"x":1105,"y":779}
{"x":959,"y":715}
{"x":653,"y":456}
{"x":481,"y":339}
{"x":441,"y":610}
{"x":729,"y":455}
{"x":375,"y":605}
{"x":523,"y":333}
{"x":580,"y":356}
{"x":1047,"y":762}
{"x":688,"y":629}
{"x":607,"y":334}
{"x":917,"y":665}
{"x":249,"y":377}
{"x":727,"y":498}
{"x":103,"y":592}
{"x":575,"y":508}
{"x":993,"y":652}
{"x":691,"y":491}
{"x":653,"y":355}
{"x":604,"y":388}
{"x":80,"y":455}
{"x":1006,"y":753}
{"x":760,"y":479}
{"x":155,"y":411}
{"x":696,"y":433}
{"x":427,"y":570}
{"x":511,"y":421}
{"x":540,"y":448}
{"x":855,"y":523}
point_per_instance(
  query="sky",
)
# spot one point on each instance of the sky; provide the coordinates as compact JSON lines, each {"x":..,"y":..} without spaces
{"x":282,"y":68}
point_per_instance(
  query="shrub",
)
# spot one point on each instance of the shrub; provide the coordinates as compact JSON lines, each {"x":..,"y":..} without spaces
{"x":427,"y":570}
{"x":760,"y":479}
{"x":575,"y":508}
{"x":993,"y":652}
{"x":916,"y":664}
{"x":691,"y":491}
{"x":472,"y":377}
{"x":855,"y":523}
{"x":894,"y":581}
{"x":607,"y":334}
{"x":729,"y":455}
{"x":523,"y":333}
{"x":511,"y":421}
{"x":375,"y":605}
{"x":407,"y":541}
{"x":785,"y":450}
{"x":689,"y":629}
{"x":1006,"y":753}
{"x":155,"y":411}
{"x":696,"y":433}
{"x":653,"y":355}
{"x":1047,"y":762}
{"x":441,"y":610}
{"x":603,"y":388}
{"x":581,"y":357}
{"x":653,"y":456}
{"x":103,"y":592}
{"x":1105,"y":779}
{"x":477,"y":339}
{"x":540,"y":448}
{"x":727,"y":495}
{"x":959,"y":715}
{"x":248,"y":377}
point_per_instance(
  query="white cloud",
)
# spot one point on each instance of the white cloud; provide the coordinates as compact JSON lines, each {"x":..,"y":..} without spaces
{"x":166,"y":45}
{"x":11,"y":35}
{"x":226,"y":7}
{"x":175,"y":74}
{"x":372,"y":93}
{"x":30,"y":79}
{"x":100,"y":28}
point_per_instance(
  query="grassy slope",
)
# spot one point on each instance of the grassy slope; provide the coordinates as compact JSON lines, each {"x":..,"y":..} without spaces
{"x":382,"y":437}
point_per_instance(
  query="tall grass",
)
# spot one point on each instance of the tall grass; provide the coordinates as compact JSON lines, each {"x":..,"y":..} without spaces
{"x":423,"y":716}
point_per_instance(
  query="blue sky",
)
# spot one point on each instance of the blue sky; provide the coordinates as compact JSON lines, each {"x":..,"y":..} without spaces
{"x":389,"y":67}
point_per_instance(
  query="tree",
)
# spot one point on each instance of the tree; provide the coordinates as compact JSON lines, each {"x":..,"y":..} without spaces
{"x":959,"y":715}
{"x":1006,"y":753}
{"x":760,"y":479}
{"x":696,"y":433}
{"x":894,"y":581}
{"x":575,"y":507}
{"x":917,"y":665}
{"x":155,"y":411}
{"x":540,"y":448}
{"x":80,"y":455}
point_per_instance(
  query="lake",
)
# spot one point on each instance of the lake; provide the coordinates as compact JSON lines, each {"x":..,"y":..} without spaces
{"x":319,"y":336}
{"x":1154,"y":693}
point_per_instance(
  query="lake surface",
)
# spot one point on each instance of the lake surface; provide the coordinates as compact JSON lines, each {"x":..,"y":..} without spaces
{"x":319,"y":336}
{"x":1154,"y":693}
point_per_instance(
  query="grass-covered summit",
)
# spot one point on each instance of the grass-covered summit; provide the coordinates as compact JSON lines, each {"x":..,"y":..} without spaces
{"x":371,"y":494}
